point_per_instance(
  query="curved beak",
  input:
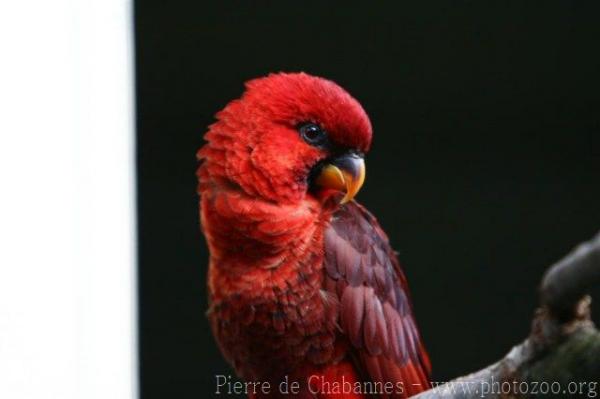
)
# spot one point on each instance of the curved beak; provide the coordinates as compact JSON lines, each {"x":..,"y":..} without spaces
{"x":345,"y":173}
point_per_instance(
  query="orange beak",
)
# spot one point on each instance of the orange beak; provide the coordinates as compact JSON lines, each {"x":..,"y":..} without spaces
{"x":345,"y":174}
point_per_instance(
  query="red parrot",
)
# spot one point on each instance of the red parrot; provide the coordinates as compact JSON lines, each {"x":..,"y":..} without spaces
{"x":303,"y":284}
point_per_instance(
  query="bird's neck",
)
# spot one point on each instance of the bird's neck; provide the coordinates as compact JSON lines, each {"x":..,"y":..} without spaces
{"x":244,"y":232}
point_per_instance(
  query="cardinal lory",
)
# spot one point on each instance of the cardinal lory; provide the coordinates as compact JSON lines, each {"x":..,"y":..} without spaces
{"x":302,"y":280}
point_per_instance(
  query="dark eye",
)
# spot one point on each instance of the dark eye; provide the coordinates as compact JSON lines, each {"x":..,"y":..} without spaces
{"x":313,"y":134}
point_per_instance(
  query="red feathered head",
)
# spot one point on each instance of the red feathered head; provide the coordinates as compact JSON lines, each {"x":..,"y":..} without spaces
{"x":288,"y":136}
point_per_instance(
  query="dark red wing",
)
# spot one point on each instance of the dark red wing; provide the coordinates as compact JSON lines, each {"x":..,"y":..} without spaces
{"x":375,"y":308}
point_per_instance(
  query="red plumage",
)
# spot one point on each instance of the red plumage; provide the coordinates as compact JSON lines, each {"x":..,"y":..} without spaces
{"x":300,"y":285}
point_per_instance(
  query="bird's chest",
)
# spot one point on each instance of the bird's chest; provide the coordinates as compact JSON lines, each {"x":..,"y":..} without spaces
{"x":274,"y":320}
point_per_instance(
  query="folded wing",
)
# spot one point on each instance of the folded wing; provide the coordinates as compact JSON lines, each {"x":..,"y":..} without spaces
{"x":375,"y":309}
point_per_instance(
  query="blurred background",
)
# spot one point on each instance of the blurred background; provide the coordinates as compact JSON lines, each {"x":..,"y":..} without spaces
{"x":484,"y":170}
{"x":67,"y":217}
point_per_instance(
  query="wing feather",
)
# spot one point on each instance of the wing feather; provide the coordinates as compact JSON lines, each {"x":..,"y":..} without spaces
{"x":375,"y":310}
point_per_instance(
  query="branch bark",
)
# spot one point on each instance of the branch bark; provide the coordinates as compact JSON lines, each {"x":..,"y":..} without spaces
{"x":562,"y":352}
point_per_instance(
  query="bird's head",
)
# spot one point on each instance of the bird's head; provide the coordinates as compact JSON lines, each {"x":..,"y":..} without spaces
{"x":290,"y":135}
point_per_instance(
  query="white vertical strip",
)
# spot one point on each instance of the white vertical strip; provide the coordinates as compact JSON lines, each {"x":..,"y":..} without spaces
{"x":67,"y":286}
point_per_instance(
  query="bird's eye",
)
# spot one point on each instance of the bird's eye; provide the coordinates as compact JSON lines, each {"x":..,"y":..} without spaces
{"x":313,"y":134}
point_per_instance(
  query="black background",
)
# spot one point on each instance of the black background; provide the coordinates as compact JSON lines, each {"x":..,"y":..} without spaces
{"x":485,"y":166}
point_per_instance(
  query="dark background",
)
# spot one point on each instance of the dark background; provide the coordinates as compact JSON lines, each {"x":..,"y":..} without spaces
{"x":485,"y":166}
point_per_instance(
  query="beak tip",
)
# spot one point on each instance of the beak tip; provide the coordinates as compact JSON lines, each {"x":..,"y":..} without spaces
{"x":346,"y":175}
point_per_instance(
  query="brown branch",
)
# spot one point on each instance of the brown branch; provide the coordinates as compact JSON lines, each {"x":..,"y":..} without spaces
{"x":563,"y":347}
{"x":567,"y":280}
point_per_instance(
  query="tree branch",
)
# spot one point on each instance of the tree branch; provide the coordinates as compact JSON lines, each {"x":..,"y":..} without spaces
{"x":567,"y":280}
{"x":562,"y":349}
